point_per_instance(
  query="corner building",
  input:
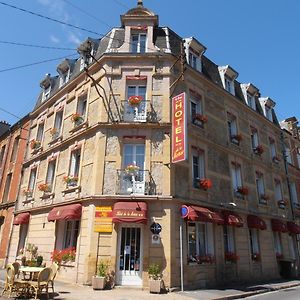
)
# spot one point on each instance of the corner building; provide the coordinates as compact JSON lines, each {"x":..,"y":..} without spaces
{"x":101,"y":137}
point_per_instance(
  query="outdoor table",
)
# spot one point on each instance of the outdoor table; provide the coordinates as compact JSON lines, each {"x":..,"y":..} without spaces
{"x":31,"y":270}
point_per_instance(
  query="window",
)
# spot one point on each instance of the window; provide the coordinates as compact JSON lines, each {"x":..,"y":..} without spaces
{"x":251,"y":101}
{"x":22,"y":237}
{"x":50,"y":174}
{"x":57,"y":124}
{"x":273,"y":152}
{"x":82,"y":63}
{"x":298,"y":157}
{"x":277,"y":243}
{"x":194,"y":61}
{"x":46,"y":93}
{"x":254,"y":244}
{"x":2,"y":155}
{"x":229,"y":85}
{"x":64,"y":78}
{"x":14,"y":150}
{"x":292,"y":246}
{"x":7,"y":187}
{"x":294,"y":195}
{"x":40,"y":132}
{"x":75,"y":163}
{"x":136,"y":112}
{"x":81,"y":106}
{"x":196,"y":112}
{"x":260,"y":188}
{"x":67,"y":234}
{"x":269,"y":113}
{"x":134,"y":154}
{"x":288,"y":154}
{"x":236,"y":178}
{"x":278,"y":191}
{"x":232,"y":129}
{"x":198,"y":167}
{"x":138,"y":43}
{"x":200,"y":241}
{"x":32,"y":179}
{"x":229,"y":244}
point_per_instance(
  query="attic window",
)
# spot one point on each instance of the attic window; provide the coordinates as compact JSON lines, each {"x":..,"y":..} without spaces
{"x":229,"y":85}
{"x":194,"y":60}
{"x":269,"y":113}
{"x":251,"y":101}
{"x":46,"y":93}
{"x":64,"y":78}
{"x":138,"y":42}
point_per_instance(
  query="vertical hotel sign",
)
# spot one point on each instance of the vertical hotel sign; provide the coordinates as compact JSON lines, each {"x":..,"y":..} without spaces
{"x":179,"y":148}
{"x":103,"y":219}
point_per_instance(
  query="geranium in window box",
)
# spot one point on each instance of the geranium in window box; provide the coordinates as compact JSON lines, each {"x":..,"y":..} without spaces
{"x":242,"y":190}
{"x":44,"y":187}
{"x":264,"y":197}
{"x":276,"y":159}
{"x":205,"y":183}
{"x":27,"y":192}
{"x":282,"y":203}
{"x":35,"y":144}
{"x":131,"y":169}
{"x":63,"y":256}
{"x":231,"y":256}
{"x":256,"y":256}
{"x":238,"y":137}
{"x":279,"y":255}
{"x":135,"y":100}
{"x":54,"y":133}
{"x":201,"y":118}
{"x":259,"y":150}
{"x":70,"y":180}
{"x":206,"y":259}
{"x":77,"y":119}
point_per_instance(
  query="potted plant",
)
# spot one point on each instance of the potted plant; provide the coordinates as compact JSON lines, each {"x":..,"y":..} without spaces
{"x":70,"y":180}
{"x":131,"y":169}
{"x":237,"y":137}
{"x":135,"y":100}
{"x":242,"y":190}
{"x":27,"y":192}
{"x":155,"y":278}
{"x":44,"y":187}
{"x":77,"y":119}
{"x":35,"y":144}
{"x":231,"y":257}
{"x":259,"y":150}
{"x":99,"y":280}
{"x":205,"y":183}
{"x":199,"y":119}
{"x":39,"y":260}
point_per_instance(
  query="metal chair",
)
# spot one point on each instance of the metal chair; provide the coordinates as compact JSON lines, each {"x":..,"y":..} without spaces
{"x":54,"y":269}
{"x":42,"y":282}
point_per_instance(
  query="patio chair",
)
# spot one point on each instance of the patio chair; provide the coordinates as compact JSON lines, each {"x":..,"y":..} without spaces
{"x":38,"y":286}
{"x":17,"y":268}
{"x":54,"y":269}
{"x":12,"y":284}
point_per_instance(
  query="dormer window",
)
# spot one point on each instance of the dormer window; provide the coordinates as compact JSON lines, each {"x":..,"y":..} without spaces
{"x":251,"y":101}
{"x":138,"y":42}
{"x":194,"y":51}
{"x":46,"y":93}
{"x":45,"y":84}
{"x":228,"y":76}
{"x":229,"y":85}
{"x":64,"y":78}
{"x":269,"y":113}
{"x":267,"y":106}
{"x":250,"y":92}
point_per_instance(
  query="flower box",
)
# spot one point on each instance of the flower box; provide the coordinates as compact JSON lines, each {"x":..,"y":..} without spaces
{"x":256,"y":257}
{"x":27,"y":192}
{"x":231,"y":256}
{"x":70,"y":180}
{"x":264,"y":197}
{"x":242,"y":190}
{"x":35,"y":144}
{"x":135,"y":100}
{"x":206,"y":259}
{"x":63,"y":256}
{"x":77,"y":119}
{"x":131,"y":169}
{"x":44,"y":187}
{"x":54,"y":133}
{"x":201,"y":118}
{"x":205,"y":183}
{"x":259,"y":150}
{"x":236,"y":137}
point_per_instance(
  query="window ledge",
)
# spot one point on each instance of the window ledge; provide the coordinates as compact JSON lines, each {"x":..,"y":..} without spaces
{"x":56,"y":140}
{"x":79,"y":127}
{"x":72,"y":189}
{"x":28,"y":200}
{"x":70,"y":264}
{"x":47,"y":195}
{"x":37,"y":150}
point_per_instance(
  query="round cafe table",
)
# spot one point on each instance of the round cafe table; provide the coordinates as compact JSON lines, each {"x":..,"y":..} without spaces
{"x":31,"y":271}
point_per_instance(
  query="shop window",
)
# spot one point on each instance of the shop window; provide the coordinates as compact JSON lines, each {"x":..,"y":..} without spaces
{"x":277,"y":243}
{"x":7,"y":187}
{"x":75,"y":163}
{"x":200,"y":242}
{"x":67,"y":234}
{"x":50,"y":174}
{"x":254,"y":244}
{"x":229,"y":244}
{"x":198,"y":167}
{"x":236,"y":179}
{"x":14,"y":150}
{"x":138,"y":42}
{"x":23,"y":230}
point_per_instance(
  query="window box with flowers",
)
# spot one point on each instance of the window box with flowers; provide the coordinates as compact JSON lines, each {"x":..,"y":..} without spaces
{"x":206,"y":259}
{"x":77,"y":119}
{"x":231,"y":257}
{"x":263,"y":198}
{"x":135,"y":100}
{"x":241,"y":191}
{"x":259,"y":150}
{"x":279,"y":256}
{"x":70,"y":180}
{"x":35,"y":145}
{"x":27,"y":193}
{"x":205,"y":183}
{"x":44,"y":187}
{"x":282,"y":204}
{"x":276,"y":159}
{"x":199,"y":119}
{"x":54,"y":133}
{"x":236,"y":138}
{"x":256,"y":257}
{"x":64,"y":256}
{"x":132,"y":170}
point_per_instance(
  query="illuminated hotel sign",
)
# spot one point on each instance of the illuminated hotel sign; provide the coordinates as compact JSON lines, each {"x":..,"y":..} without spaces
{"x":179,"y":147}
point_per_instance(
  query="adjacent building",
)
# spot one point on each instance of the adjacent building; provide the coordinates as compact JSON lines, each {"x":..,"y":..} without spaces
{"x":98,"y":175}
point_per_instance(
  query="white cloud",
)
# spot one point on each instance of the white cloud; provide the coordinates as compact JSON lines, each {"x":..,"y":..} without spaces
{"x":54,"y":39}
{"x":73,"y":38}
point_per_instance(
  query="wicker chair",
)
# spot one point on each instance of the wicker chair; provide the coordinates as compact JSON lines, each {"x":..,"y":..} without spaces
{"x":12,"y":284}
{"x":54,"y":269}
{"x":17,"y":268}
{"x":36,"y":287}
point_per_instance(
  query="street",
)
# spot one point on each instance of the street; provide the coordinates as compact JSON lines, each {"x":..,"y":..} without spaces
{"x":287,"y":294}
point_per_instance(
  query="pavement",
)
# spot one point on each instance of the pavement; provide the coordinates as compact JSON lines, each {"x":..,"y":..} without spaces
{"x":69,"y":291}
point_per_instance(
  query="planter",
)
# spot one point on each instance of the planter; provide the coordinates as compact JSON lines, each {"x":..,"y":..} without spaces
{"x":98,"y":283}
{"x":155,"y":285}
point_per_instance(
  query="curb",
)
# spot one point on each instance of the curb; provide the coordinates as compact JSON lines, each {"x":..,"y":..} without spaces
{"x":257,"y":292}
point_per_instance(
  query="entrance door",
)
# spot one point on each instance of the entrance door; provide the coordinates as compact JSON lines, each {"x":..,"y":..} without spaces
{"x":130,"y":260}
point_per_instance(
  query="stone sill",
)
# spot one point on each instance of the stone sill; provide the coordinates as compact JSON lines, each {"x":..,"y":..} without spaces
{"x":56,"y":140}
{"x":37,"y":150}
{"x":82,"y":126}
{"x":76,"y":189}
{"x":47,"y":196}
{"x":68,"y":264}
{"x":28,"y":200}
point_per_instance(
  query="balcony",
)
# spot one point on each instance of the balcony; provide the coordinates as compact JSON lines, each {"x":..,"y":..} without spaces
{"x":141,"y":113}
{"x":137,"y":183}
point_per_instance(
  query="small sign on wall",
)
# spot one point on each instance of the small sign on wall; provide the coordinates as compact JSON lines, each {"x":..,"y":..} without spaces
{"x":103,"y":219}
{"x":155,"y":239}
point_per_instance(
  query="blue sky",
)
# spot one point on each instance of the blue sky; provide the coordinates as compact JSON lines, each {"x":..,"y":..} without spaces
{"x":259,"y":39}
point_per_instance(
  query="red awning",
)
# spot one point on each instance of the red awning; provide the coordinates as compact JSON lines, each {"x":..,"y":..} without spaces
{"x":256,"y":222}
{"x":278,"y":225}
{"x":67,"y":212}
{"x":130,"y":212}
{"x":22,"y":218}
{"x":232,"y":219}
{"x":293,"y":228}
{"x":203,"y":214}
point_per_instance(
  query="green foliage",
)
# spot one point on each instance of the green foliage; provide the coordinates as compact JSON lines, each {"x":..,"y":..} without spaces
{"x":154,"y":271}
{"x":39,"y":260}
{"x":103,"y":268}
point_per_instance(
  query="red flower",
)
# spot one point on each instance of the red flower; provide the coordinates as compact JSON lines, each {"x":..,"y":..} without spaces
{"x":64,"y":255}
{"x":209,"y":259}
{"x":243,"y":190}
{"x":259,"y":150}
{"x":237,"y":137}
{"x":34,"y":144}
{"x":135,"y":100}
{"x":201,"y":118}
{"x":205,"y":183}
{"x":231,"y":256}
{"x":44,"y":187}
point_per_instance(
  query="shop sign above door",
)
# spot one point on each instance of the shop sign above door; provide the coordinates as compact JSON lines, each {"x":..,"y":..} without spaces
{"x":103,"y":219}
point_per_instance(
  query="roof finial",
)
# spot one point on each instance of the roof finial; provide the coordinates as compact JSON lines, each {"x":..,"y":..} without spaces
{"x":140,"y":3}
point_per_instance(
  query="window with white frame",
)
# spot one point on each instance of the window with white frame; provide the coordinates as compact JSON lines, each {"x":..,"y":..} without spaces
{"x":138,"y":42}
{"x":51,"y":173}
{"x":82,"y":63}
{"x":251,"y":101}
{"x":64,"y":78}
{"x":22,"y":239}
{"x":277,"y":243}
{"x":57,"y":124}
{"x":232,"y":129}
{"x":236,"y":178}
{"x":278,"y":190}
{"x":229,"y":243}
{"x":75,"y":163}
{"x":273,"y":151}
{"x":67,"y":234}
{"x":254,"y":138}
{"x":82,"y":106}
{"x":196,"y":111}
{"x":254,"y":243}
{"x":229,"y":85}
{"x":40,"y":132}
{"x":200,"y":241}
{"x":136,"y":112}
{"x":32,"y":179}
{"x":194,"y":60}
{"x":46,"y":93}
{"x":260,"y":187}
{"x":292,"y":246}
{"x":269,"y":113}
{"x":294,"y":194}
{"x":198,"y":167}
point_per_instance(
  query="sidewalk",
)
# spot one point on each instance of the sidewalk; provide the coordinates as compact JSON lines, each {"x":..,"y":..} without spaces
{"x":68,"y":291}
